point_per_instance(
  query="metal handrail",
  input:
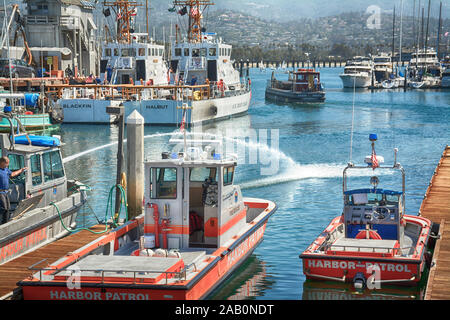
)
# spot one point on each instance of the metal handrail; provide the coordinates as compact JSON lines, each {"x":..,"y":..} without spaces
{"x":373,"y":248}
{"x":103,"y":271}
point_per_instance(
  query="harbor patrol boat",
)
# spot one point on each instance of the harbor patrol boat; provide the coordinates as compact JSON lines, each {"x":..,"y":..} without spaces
{"x":358,"y":73}
{"x":373,"y":242}
{"x":42,"y":199}
{"x":196,"y":230}
{"x":217,"y":92}
{"x":303,"y":85}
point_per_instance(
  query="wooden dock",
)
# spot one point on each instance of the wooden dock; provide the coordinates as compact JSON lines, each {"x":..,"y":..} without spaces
{"x":436,"y":207}
{"x":17,"y":269}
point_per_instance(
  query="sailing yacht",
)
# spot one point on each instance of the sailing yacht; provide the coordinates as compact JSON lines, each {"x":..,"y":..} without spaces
{"x":358,"y":73}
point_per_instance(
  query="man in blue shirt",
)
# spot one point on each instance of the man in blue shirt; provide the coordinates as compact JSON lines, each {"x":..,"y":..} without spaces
{"x":5,"y":174}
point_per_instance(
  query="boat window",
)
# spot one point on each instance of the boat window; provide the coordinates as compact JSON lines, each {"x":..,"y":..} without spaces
{"x":186,"y":52}
{"x":116,"y":52}
{"x":16,"y":162}
{"x":203,"y":52}
{"x":161,"y":51}
{"x":141,"y":52}
{"x":374,"y":198}
{"x":166,"y":183}
{"x":36,"y":175}
{"x":195,"y":52}
{"x":53,"y":168}
{"x":153,"y":52}
{"x":229,"y":52}
{"x":392,"y":199}
{"x":128,"y":52}
{"x":228,"y":173}
{"x":177,"y":52}
{"x":212,"y":52}
{"x":108,"y":52}
{"x":201,"y":174}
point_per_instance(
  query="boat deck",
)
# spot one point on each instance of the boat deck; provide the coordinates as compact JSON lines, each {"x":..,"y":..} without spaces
{"x":17,"y":269}
{"x":436,"y":207}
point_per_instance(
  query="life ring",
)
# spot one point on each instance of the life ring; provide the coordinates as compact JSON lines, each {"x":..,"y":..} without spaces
{"x":28,"y":112}
{"x":372,"y":235}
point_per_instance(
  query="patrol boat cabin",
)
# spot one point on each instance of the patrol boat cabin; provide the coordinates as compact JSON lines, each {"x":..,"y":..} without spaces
{"x":42,"y":199}
{"x":373,"y":241}
{"x":138,"y":62}
{"x":196,"y":230}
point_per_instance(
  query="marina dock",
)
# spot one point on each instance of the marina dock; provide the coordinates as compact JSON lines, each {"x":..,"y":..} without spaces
{"x":436,"y":207}
{"x":29,"y":83}
{"x":17,"y":269}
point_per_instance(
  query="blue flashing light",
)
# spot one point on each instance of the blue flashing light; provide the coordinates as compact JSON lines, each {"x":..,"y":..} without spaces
{"x":373,"y":137}
{"x":217,"y":156}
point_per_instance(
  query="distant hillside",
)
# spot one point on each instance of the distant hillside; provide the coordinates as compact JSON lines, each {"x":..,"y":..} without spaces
{"x":286,"y":10}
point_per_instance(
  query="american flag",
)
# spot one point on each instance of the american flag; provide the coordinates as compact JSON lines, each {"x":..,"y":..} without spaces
{"x":183,"y":122}
{"x":374,"y":159}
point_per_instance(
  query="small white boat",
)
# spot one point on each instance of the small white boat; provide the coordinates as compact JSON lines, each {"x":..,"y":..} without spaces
{"x":416,"y":84}
{"x":389,"y":84}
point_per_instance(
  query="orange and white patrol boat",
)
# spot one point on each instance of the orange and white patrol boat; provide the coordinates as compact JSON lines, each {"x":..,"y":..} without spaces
{"x":196,"y":230}
{"x":373,"y":241}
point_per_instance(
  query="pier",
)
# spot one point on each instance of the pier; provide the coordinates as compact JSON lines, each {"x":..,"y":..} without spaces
{"x":17,"y":269}
{"x":20,"y":84}
{"x":436,"y":207}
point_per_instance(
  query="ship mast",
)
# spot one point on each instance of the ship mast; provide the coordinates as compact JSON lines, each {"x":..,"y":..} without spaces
{"x":125,"y":10}
{"x":194,"y":8}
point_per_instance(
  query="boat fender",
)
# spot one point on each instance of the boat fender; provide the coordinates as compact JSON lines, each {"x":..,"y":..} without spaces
{"x":146,"y":253}
{"x":174,"y":254}
{"x":359,"y":281}
{"x":213,"y":110}
{"x":160,"y":253}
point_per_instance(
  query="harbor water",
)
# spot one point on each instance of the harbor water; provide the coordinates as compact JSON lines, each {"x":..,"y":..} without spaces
{"x":295,"y":158}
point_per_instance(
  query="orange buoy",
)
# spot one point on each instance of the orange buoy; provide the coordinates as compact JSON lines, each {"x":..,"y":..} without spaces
{"x":372,"y":235}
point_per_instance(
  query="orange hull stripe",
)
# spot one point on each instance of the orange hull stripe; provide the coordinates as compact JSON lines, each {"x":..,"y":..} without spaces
{"x":174,"y":229}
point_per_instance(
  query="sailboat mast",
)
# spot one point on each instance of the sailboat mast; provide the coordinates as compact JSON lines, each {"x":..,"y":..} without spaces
{"x":414,"y":23}
{"x":401,"y":31}
{"x":426,"y":37}
{"x":393,"y":39}
{"x":146,"y":18}
{"x":438,"y":46}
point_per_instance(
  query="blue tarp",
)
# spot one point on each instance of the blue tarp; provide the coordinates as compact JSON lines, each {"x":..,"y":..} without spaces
{"x":40,"y":141}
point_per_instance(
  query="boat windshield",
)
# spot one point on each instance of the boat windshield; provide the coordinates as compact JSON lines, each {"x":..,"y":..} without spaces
{"x":378,"y":199}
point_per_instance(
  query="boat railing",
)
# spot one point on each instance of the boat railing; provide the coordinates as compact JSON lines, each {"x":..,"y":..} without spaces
{"x":142,"y":92}
{"x":394,"y":251}
{"x":137,"y":274}
{"x":131,"y":92}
